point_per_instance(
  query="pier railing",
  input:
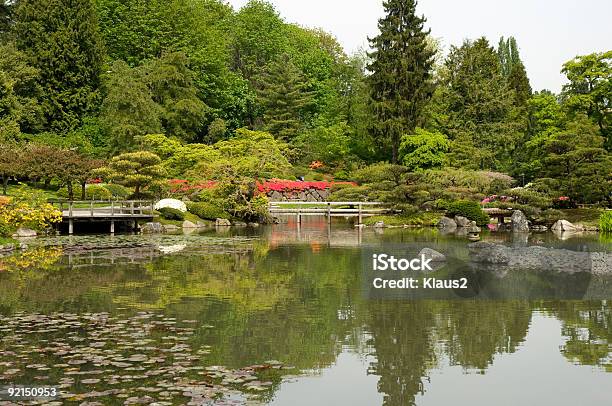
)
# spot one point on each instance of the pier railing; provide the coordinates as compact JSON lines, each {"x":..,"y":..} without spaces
{"x":104,"y":208}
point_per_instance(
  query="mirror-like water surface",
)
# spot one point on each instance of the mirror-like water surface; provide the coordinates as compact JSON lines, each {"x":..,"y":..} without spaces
{"x":278,"y":315}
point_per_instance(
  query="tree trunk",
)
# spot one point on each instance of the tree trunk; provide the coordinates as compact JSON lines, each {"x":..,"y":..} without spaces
{"x":137,"y":191}
{"x":5,"y":180}
{"x":83,"y":184}
{"x":70,"y":191}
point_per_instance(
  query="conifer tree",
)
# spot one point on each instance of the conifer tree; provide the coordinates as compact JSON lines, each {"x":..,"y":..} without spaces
{"x":513,"y":70}
{"x":282,"y":93}
{"x":62,"y":41}
{"x":400,"y":81}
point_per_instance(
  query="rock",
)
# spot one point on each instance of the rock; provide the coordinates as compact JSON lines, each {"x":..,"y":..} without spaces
{"x":239,"y":224}
{"x":189,"y":224}
{"x":170,"y":228}
{"x":7,"y":248}
{"x":520,"y":224}
{"x":564,"y":225}
{"x":253,"y":225}
{"x":171,"y":203}
{"x":379,"y":224}
{"x":152,"y":228}
{"x":462,"y":221}
{"x":447,"y":223}
{"x":201,"y":224}
{"x":432,"y":254}
{"x":24,"y":232}
{"x":222,"y":223}
{"x":539,"y":228}
{"x":489,"y":253}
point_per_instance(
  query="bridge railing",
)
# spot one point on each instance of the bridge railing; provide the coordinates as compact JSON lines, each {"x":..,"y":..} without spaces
{"x":329,"y":209}
{"x":104,"y":208}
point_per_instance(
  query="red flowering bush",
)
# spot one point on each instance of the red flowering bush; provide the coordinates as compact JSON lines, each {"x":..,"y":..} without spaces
{"x":280,"y":185}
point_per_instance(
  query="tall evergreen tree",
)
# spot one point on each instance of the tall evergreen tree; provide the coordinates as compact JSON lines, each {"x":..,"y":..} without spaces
{"x":283,"y":94}
{"x":400,"y":81}
{"x":513,"y":70}
{"x":62,"y":41}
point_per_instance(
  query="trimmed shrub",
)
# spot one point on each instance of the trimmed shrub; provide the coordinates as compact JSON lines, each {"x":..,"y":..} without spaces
{"x":169,"y":213}
{"x":117,"y":191}
{"x":97,"y":192}
{"x":605,"y":221}
{"x":206,"y":211}
{"x":468,"y":209}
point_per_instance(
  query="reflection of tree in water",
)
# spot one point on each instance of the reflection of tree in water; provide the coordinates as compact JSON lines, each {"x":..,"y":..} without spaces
{"x":477,"y":330}
{"x":408,"y":336}
{"x":587,"y":327}
{"x":403,"y":337}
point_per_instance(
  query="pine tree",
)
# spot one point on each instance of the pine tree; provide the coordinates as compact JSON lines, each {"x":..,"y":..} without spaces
{"x":400,"y":83}
{"x":519,"y":82}
{"x":282,"y":93}
{"x":62,"y":41}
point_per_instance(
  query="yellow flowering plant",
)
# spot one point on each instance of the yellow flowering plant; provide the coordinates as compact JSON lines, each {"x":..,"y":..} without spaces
{"x":26,"y":209}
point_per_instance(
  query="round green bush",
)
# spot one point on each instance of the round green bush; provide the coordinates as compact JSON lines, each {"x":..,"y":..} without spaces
{"x":97,"y":192}
{"x":469,"y":209}
{"x":206,"y":211}
{"x":169,"y":213}
{"x":117,"y":191}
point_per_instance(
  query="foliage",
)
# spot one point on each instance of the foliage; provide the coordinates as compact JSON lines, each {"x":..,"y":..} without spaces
{"x":400,"y":82}
{"x":206,"y":210}
{"x":134,"y":169}
{"x":169,"y":213}
{"x":589,"y":90}
{"x":469,"y":209}
{"x":332,"y":144}
{"x":117,"y":191}
{"x":605,"y":221}
{"x":26,"y":208}
{"x":62,"y":41}
{"x":11,"y":162}
{"x":423,"y":150}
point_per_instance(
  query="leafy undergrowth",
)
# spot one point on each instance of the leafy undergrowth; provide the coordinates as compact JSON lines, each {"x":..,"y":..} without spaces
{"x":587,"y":217}
{"x":179,"y":223}
{"x":6,"y":240}
{"x":424,"y":219}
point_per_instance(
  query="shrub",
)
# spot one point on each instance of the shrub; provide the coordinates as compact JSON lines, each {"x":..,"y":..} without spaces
{"x":468,"y":209}
{"x":117,"y":191}
{"x":169,"y":213}
{"x":206,"y":211}
{"x":605,"y":221}
{"x":97,"y":192}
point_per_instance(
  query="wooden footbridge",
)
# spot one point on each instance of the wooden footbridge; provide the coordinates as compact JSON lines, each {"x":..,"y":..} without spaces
{"x":328,"y":209}
{"x":104,"y":211}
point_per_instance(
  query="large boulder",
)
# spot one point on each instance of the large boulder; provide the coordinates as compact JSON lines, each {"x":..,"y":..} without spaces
{"x":432,"y":254}
{"x":489,"y":253}
{"x":171,"y":203}
{"x":171,"y":228}
{"x":24,"y":233}
{"x":462,"y":221}
{"x":189,"y":224}
{"x":520,"y":224}
{"x":223,"y":223}
{"x":564,"y":225}
{"x":447,"y":223}
{"x":379,"y":224}
{"x":152,"y":228}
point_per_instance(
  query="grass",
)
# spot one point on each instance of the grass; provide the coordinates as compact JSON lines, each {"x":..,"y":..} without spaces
{"x":7,"y":240}
{"x":179,"y":223}
{"x":422,"y":219}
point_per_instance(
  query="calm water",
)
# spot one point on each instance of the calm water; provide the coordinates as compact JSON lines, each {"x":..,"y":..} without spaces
{"x":284,"y":308}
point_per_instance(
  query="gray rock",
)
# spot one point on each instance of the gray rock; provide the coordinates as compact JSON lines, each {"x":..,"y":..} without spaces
{"x":223,"y":223}
{"x":462,"y":221}
{"x":432,"y":254}
{"x":447,"y":223}
{"x":520,"y":224}
{"x":152,"y":228}
{"x":24,"y":232}
{"x":189,"y":224}
{"x":7,"y":247}
{"x":253,"y":225}
{"x":489,"y":253}
{"x":239,"y":224}
{"x":170,"y":228}
{"x":379,"y":224}
{"x":539,"y":228}
{"x":201,"y":224}
{"x":564,"y":225}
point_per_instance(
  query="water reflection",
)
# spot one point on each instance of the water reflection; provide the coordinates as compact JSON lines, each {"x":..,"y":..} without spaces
{"x":297,"y":297}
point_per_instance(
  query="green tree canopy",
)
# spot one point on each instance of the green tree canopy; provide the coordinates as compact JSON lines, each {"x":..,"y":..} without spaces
{"x":424,"y":150}
{"x":400,"y":83}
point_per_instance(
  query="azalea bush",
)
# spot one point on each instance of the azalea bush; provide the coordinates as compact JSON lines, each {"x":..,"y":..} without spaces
{"x":26,"y":209}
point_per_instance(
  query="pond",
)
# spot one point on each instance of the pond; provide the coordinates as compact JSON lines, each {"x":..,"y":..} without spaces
{"x":285,"y":315}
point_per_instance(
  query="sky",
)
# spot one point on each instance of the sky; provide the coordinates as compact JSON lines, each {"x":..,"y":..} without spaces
{"x":548,"y":32}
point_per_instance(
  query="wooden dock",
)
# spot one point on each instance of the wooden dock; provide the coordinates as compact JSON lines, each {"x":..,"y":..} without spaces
{"x":328,"y":209}
{"x":109,"y":211}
